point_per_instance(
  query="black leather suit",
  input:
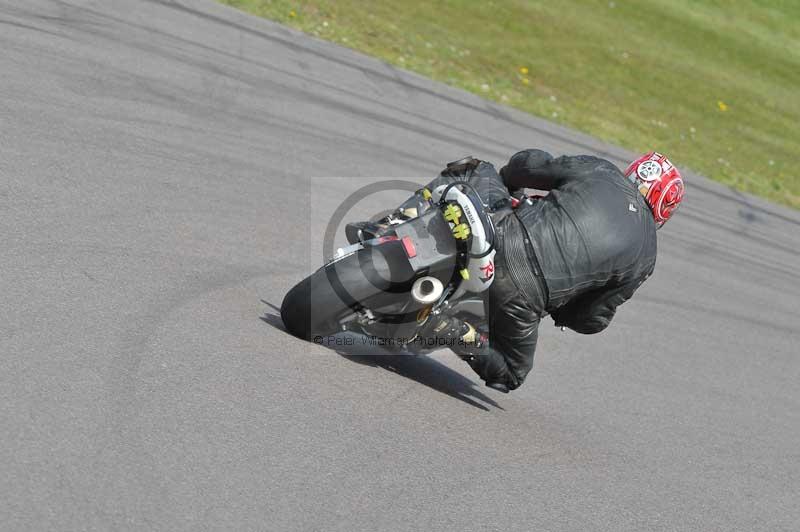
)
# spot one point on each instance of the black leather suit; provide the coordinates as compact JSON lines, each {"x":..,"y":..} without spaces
{"x":577,"y":254}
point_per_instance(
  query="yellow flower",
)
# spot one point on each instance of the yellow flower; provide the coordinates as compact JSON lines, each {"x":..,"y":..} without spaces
{"x":525,"y":81}
{"x":523,"y":70}
{"x":292,"y":14}
{"x":722,"y":106}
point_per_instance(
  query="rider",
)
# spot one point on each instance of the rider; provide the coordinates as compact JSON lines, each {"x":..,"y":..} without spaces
{"x":576,"y":254}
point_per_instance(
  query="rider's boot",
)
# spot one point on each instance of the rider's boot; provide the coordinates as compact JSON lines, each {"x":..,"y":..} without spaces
{"x":360,"y":231}
{"x":471,"y":346}
{"x":453,"y":333}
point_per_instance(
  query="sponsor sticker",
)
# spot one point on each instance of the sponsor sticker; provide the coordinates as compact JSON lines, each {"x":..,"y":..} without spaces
{"x":488,"y":272}
{"x":649,"y":171}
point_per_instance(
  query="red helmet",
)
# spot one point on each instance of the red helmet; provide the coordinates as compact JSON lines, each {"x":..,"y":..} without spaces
{"x":659,"y":182}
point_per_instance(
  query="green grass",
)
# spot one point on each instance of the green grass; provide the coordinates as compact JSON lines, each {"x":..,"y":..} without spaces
{"x":713,"y":83}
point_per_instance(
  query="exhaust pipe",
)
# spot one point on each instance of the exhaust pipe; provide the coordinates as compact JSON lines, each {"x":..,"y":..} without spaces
{"x":427,"y":290}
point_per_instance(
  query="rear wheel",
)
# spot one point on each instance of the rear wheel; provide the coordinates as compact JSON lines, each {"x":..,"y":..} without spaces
{"x":371,"y":276}
{"x":311,"y":308}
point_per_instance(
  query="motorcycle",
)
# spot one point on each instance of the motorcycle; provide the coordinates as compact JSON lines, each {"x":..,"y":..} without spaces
{"x":387,"y":284}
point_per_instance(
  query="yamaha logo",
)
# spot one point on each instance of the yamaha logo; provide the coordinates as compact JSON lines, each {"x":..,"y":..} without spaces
{"x":470,"y":215}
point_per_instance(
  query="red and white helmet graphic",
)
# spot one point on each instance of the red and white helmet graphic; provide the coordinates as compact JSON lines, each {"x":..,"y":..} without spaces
{"x":659,"y":182}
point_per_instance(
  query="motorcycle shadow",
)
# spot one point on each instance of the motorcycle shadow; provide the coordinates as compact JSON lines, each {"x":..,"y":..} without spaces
{"x":419,"y":368}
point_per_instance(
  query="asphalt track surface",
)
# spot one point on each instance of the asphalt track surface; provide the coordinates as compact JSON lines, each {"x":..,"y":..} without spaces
{"x":166,"y":166}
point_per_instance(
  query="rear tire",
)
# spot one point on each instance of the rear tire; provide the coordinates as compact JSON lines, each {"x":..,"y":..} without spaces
{"x":317,"y":304}
{"x":312,"y":307}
